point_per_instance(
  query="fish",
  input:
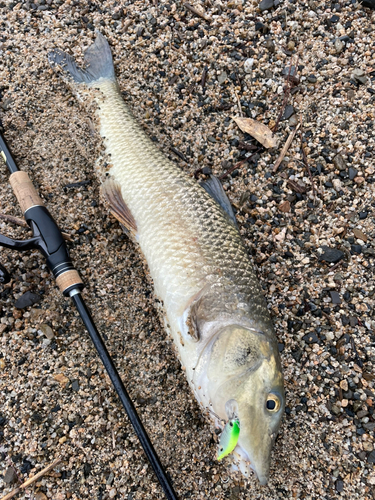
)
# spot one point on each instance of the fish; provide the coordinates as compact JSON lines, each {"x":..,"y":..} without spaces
{"x":212,"y":302}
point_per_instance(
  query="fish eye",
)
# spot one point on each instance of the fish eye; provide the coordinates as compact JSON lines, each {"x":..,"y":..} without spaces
{"x":273,"y":403}
{"x":231,"y":424}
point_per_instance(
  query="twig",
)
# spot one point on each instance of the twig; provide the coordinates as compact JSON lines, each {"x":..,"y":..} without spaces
{"x":197,"y":12}
{"x":14,"y":220}
{"x":333,"y":267}
{"x":20,"y":222}
{"x":31,"y":480}
{"x":306,"y":162}
{"x":285,"y":148}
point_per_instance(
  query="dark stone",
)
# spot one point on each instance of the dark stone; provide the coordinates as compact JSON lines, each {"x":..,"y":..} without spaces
{"x":355,"y":249}
{"x":86,"y":470}
{"x":339,"y":486}
{"x":363,"y":215}
{"x":352,"y":173}
{"x":353,"y":321}
{"x":331,"y":255}
{"x":334,"y":19}
{"x":281,"y":347}
{"x":311,"y":338}
{"x":27,"y":299}
{"x":312,"y":79}
{"x":75,"y":385}
{"x":371,"y":457}
{"x":346,"y":295}
{"x":26,"y":467}
{"x":335,"y":297}
{"x":344,"y":320}
{"x":289,"y":111}
{"x":266,"y":5}
{"x":10,"y":476}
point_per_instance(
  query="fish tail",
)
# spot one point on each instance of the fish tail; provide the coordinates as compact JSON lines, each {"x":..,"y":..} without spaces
{"x":98,"y":63}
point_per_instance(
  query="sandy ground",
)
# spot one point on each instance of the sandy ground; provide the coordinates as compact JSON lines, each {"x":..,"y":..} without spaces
{"x":184,"y":77}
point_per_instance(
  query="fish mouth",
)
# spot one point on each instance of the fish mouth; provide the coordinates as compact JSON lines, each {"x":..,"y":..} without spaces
{"x":241,"y":461}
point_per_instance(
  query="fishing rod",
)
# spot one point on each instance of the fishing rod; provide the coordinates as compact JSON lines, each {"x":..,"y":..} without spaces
{"x":48,"y":239}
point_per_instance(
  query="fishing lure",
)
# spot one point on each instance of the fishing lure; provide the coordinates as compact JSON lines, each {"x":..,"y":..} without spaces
{"x":229,"y":438}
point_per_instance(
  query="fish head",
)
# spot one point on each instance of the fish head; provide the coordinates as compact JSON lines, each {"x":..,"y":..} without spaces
{"x":243,"y":377}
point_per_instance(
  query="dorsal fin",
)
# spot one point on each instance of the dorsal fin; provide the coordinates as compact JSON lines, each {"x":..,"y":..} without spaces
{"x":111,"y":191}
{"x":216,"y":191}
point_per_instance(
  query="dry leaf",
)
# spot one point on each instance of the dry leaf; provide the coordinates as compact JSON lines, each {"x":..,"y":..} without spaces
{"x":257,"y":130}
{"x":61,"y":379}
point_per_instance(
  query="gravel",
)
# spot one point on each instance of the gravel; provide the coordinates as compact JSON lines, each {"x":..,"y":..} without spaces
{"x":55,"y":398}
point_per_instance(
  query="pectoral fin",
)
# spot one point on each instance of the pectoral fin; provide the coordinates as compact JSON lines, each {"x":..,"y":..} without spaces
{"x":215,"y":190}
{"x":111,"y":191}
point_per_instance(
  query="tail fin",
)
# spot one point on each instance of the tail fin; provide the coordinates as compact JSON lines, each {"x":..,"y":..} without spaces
{"x":98,"y":63}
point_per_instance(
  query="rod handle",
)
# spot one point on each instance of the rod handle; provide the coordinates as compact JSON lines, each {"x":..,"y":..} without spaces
{"x":24,"y":190}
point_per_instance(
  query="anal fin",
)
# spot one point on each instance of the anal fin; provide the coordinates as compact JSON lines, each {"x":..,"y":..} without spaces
{"x":111,"y":191}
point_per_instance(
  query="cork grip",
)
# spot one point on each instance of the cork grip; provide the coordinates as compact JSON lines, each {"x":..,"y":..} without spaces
{"x":68,"y":279}
{"x":24,"y":190}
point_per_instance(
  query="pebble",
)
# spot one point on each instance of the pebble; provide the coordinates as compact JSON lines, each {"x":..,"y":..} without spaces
{"x":339,"y":162}
{"x":312,"y":79}
{"x":335,"y":297}
{"x":266,"y":5}
{"x":339,"y":486}
{"x":222,"y":77}
{"x":289,"y":110}
{"x":10,"y":476}
{"x":46,"y":330}
{"x":359,"y":75}
{"x":339,"y":45}
{"x":248,"y":65}
{"x":331,"y":255}
{"x":311,"y":338}
{"x":27,"y":299}
{"x":352,"y":173}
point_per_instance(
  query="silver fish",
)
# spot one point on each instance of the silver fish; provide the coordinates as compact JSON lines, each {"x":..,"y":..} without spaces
{"x":213,"y":305}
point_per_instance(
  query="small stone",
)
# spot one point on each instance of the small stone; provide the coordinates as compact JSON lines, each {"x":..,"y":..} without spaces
{"x":211,"y":139}
{"x":270,"y":45}
{"x":356,"y":249}
{"x":284,"y":207}
{"x":27,"y":299}
{"x":110,"y":479}
{"x":291,"y":45}
{"x":75,"y":385}
{"x":359,"y":235}
{"x":359,"y":76}
{"x":371,"y":457}
{"x":331,"y":255}
{"x":335,"y":297}
{"x":61,"y":379}
{"x":289,"y":111}
{"x":344,"y":385}
{"x":312,"y":79}
{"x":222,"y":77}
{"x":352,"y":173}
{"x":266,"y":5}
{"x":46,"y":330}
{"x":293,"y":121}
{"x":339,"y":486}
{"x":311,"y":338}
{"x":40,"y":496}
{"x":112,"y":493}
{"x":363,"y":215}
{"x":339,"y":45}
{"x":10,"y":476}
{"x":339,"y":162}
{"x":248,"y":65}
{"x":62,"y":440}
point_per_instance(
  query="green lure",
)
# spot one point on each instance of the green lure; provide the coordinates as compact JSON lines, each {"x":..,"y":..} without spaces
{"x":229,"y":438}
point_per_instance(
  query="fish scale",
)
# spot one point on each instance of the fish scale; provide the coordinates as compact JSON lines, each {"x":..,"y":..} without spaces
{"x":212,"y":302}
